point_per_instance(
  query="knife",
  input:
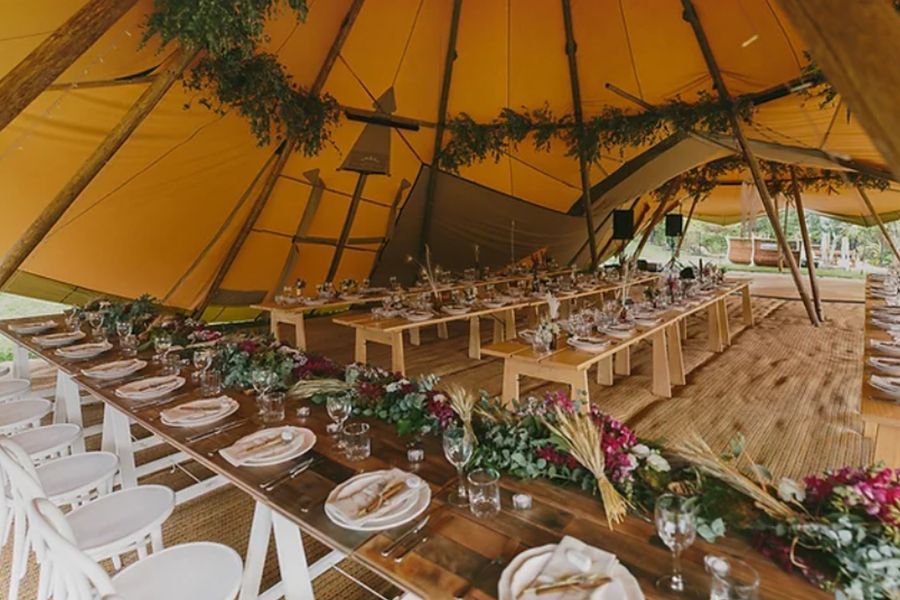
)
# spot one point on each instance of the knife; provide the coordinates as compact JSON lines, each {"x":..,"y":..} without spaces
{"x":396,"y":543}
{"x":215,"y":431}
{"x":161,"y":401}
{"x":410,"y":546}
{"x":505,"y":556}
{"x":293,"y":472}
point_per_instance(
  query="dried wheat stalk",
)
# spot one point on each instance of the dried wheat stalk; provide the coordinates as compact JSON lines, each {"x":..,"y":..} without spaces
{"x":307,"y":388}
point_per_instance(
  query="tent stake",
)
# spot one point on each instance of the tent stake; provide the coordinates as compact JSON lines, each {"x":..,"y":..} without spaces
{"x":114,"y":140}
{"x":807,"y":245}
{"x":879,"y":222}
{"x":58,"y":52}
{"x":691,"y":16}
{"x":571,"y":48}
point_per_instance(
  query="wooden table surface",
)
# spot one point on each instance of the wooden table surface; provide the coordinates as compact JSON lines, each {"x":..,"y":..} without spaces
{"x":460,"y":544}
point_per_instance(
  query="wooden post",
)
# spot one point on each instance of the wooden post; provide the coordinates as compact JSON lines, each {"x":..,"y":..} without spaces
{"x":654,"y":221}
{"x":449,"y":58}
{"x":855,"y":44}
{"x":807,"y":245}
{"x":571,"y":48}
{"x":691,"y":16}
{"x":56,"y":54}
{"x":309,"y":213}
{"x":285,"y":150}
{"x":686,"y":225}
{"x":395,"y":205}
{"x":95,"y":162}
{"x":348,"y":224}
{"x":878,"y":221}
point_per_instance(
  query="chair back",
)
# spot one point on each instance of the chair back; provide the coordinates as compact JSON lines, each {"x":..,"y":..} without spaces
{"x":76,"y":576}
{"x":18,"y":472}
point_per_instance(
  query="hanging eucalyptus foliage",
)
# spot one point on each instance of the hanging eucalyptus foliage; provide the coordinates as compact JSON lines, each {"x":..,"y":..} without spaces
{"x":613,"y":129}
{"x":233,"y":72}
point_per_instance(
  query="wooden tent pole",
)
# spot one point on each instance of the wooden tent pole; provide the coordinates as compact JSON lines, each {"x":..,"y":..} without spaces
{"x":94,"y":164}
{"x":449,"y":59}
{"x":855,"y":43}
{"x":691,"y":16}
{"x":686,"y":225}
{"x":309,"y":213}
{"x":654,"y":221}
{"x":285,"y":149}
{"x":807,"y":245}
{"x":571,"y":48}
{"x":348,"y":224}
{"x":20,"y":86}
{"x":878,"y":221}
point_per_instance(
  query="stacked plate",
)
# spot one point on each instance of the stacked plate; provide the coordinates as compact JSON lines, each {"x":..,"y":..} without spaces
{"x":455,"y":309}
{"x":55,"y":340}
{"x":588,"y":344}
{"x":378,"y":500}
{"x":199,"y":412}
{"x":115,"y":369}
{"x":82,"y":351}
{"x":534,"y":572}
{"x":32,"y":327}
{"x":888,"y":385}
{"x":269,"y":446}
{"x":892,"y":348}
{"x":150,"y":387}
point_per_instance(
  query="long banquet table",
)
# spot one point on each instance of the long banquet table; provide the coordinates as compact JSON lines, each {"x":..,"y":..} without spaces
{"x":459,"y":548}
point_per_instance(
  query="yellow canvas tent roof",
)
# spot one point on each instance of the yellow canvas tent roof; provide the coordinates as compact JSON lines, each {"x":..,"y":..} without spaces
{"x":163,"y":213}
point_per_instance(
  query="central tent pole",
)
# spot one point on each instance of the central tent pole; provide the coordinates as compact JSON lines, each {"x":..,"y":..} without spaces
{"x":807,"y":244}
{"x":691,"y":16}
{"x":686,"y":225}
{"x":878,"y":221}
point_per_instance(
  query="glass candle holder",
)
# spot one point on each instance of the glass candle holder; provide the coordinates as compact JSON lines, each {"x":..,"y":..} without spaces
{"x":212,"y":384}
{"x":357,"y":443}
{"x":303,"y":412}
{"x":484,"y":492}
{"x":271,"y":407}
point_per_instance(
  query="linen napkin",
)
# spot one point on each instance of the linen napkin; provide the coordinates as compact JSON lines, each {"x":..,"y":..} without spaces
{"x":265,"y":445}
{"x":358,"y":504}
{"x":570,"y":558}
{"x":114,"y":369}
{"x":149,"y":387}
{"x":197,"y":411}
{"x":32,"y":327}
{"x":889,"y":385}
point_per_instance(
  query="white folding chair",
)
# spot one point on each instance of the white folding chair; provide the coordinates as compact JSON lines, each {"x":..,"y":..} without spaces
{"x":196,"y":571}
{"x":106,"y":527}
{"x":11,"y":389}
{"x":48,"y":441}
{"x":19,"y":415}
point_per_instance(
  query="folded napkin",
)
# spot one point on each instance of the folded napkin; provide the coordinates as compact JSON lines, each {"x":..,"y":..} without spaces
{"x":83,"y":350}
{"x":114,"y":367}
{"x":150,"y":387}
{"x":890,"y":385}
{"x":572,"y":557}
{"x":265,"y":445}
{"x":376,"y":497}
{"x":32,"y":327}
{"x":198,"y":410}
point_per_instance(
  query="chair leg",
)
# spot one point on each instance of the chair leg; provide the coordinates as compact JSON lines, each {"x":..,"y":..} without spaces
{"x":19,"y":556}
{"x":156,"y":539}
{"x":116,"y":562}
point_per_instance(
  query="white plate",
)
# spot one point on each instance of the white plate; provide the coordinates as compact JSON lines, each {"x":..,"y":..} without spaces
{"x":588,"y":346}
{"x":115,"y":369}
{"x":623,"y":334}
{"x":417,"y":317}
{"x":456,"y":310}
{"x":315,"y":301}
{"x":81,"y":351}
{"x":885,"y":385}
{"x":302,"y":442}
{"x":523,"y":569}
{"x":647,"y":322}
{"x":892,"y":348}
{"x":135,"y":390}
{"x":55,"y":340}
{"x":226,"y":407}
{"x":32,"y":327}
{"x":410,"y":511}
{"x":891,"y":366}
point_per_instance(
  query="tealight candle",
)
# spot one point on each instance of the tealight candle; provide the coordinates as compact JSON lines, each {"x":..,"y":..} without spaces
{"x":303,"y":412}
{"x":521,"y":501}
{"x":415,"y":453}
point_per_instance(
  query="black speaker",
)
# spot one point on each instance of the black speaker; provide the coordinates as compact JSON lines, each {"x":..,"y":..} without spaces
{"x":623,"y":224}
{"x":674,"y":225}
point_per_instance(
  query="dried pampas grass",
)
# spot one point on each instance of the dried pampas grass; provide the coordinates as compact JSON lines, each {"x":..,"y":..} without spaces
{"x":462,"y":401}
{"x":307,"y":388}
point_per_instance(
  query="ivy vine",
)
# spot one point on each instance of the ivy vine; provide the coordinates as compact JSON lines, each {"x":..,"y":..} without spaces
{"x":234,"y":72}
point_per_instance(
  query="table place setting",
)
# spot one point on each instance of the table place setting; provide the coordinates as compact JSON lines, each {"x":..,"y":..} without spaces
{"x":416,"y":316}
{"x":32,"y":327}
{"x":269,"y":446}
{"x":84,"y":351}
{"x":456,"y":310}
{"x":378,"y":500}
{"x":116,"y":369}
{"x":885,"y":364}
{"x":592,"y":344}
{"x":569,"y":570}
{"x":198,"y":413}
{"x":891,"y":348}
{"x":55,"y":340}
{"x":149,"y":388}
{"x":887,"y":385}
{"x":619,"y":330}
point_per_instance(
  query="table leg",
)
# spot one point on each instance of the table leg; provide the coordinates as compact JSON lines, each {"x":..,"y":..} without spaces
{"x":71,"y":400}
{"x":415,"y":336}
{"x":887,"y":445}
{"x":21,"y":366}
{"x":509,"y":320}
{"x":510,"y":383}
{"x":297,"y":584}
{"x":273,"y":326}
{"x":257,"y":546}
{"x":107,"y":436}
{"x":746,"y":306}
{"x":622,"y":361}
{"x":683,"y":323}
{"x":714,"y":339}
{"x":359,"y":354}
{"x":579,"y":388}
{"x":299,"y":331}
{"x":121,"y":430}
{"x":662,"y":382}
{"x":497,"y":333}
{"x":442,"y":332}
{"x":724,"y":327}
{"x":676,"y":355}
{"x":605,"y":371}
{"x":475,"y":338}
{"x":398,"y":363}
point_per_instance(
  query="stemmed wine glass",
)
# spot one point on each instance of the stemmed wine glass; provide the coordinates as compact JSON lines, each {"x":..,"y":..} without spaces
{"x":339,"y":408}
{"x":73,"y":318}
{"x":202,"y":361}
{"x":95,"y":319}
{"x":676,"y":525}
{"x":263,"y":380}
{"x":162,"y":343}
{"x":458,"y":448}
{"x":123,"y":329}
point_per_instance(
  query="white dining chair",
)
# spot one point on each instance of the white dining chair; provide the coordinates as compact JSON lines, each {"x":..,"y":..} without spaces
{"x":194,"y":571}
{"x":18,"y":415}
{"x":11,"y":389}
{"x":48,"y":441}
{"x":105,"y":527}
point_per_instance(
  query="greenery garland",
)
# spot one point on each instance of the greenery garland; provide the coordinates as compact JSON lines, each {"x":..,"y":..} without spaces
{"x":240,"y":76}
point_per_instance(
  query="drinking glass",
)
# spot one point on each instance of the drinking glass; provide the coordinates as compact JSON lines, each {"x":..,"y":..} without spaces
{"x":162,"y":343}
{"x":202,"y":360}
{"x":339,"y":408}
{"x":129,"y":346}
{"x":171,"y":364}
{"x":73,"y":319}
{"x":676,"y":525}
{"x":458,"y":448}
{"x":484,"y":493}
{"x":272,"y":407}
{"x":211,"y":384}
{"x":123,"y":329}
{"x":357,"y":443}
{"x":732,"y":579}
{"x":95,"y":319}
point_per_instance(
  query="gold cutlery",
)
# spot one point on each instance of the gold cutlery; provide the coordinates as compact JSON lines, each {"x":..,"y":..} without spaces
{"x":412,"y":531}
{"x":387,"y":493}
{"x":215,"y":431}
{"x":582,"y":582}
{"x":285,"y":477}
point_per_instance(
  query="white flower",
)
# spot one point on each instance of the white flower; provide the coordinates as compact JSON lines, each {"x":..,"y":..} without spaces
{"x":658,"y":463}
{"x":790,"y":490}
{"x":845,"y":537}
{"x":392,"y":387}
{"x":640,"y":450}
